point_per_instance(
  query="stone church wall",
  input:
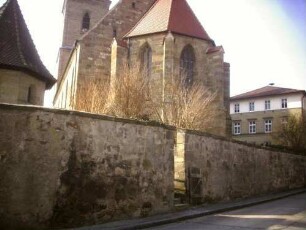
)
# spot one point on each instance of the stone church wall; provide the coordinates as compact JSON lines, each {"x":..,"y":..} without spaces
{"x":73,"y":11}
{"x":95,"y":56}
{"x":203,"y":71}
{"x":156,"y":42}
{"x":64,"y":169}
{"x":209,"y":68}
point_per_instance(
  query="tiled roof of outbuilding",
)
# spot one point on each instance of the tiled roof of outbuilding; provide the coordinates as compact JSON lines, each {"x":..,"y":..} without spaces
{"x":266,"y":91}
{"x":175,"y":16}
{"x":17,"y":50}
{"x":2,"y":8}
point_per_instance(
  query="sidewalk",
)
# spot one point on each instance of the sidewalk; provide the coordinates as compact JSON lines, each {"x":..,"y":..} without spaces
{"x":190,"y":213}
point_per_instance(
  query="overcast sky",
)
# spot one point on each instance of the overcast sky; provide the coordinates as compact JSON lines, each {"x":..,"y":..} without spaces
{"x":264,"y":40}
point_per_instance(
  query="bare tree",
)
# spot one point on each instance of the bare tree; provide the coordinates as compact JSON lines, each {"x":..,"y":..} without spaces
{"x":189,"y":106}
{"x":292,"y":134}
{"x":92,"y":97}
{"x":131,"y":95}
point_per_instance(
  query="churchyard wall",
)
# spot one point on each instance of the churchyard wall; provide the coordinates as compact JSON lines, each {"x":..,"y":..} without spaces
{"x":64,"y":168}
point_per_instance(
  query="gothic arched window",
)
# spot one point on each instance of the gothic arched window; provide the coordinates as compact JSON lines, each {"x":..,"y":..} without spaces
{"x":85,"y":22}
{"x":187,"y":62}
{"x":146,"y":59}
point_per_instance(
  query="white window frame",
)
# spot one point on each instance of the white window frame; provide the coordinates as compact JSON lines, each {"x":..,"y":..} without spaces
{"x":237,"y":108}
{"x":284,"y":103}
{"x":252,"y":106}
{"x":252,"y":127}
{"x":268,"y":125}
{"x":236,"y":127}
{"x":267,"y":104}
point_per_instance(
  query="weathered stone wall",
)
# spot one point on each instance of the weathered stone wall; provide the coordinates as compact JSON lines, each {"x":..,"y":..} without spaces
{"x":14,"y":88}
{"x":94,"y":47}
{"x":74,"y":11}
{"x":203,"y":71}
{"x":230,"y":170}
{"x":227,"y":80}
{"x":95,"y":57}
{"x":65,"y":169}
{"x":209,"y":69}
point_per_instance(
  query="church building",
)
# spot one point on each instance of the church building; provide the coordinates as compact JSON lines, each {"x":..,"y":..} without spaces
{"x":164,"y":36}
{"x":23,"y":77}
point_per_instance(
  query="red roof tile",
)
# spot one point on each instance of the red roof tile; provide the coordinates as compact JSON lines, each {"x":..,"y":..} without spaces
{"x":266,"y":91}
{"x":170,"y":15}
{"x":214,"y":49}
{"x":121,"y":43}
{"x":17,"y":50}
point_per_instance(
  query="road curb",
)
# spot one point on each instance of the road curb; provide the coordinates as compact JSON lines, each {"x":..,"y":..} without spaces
{"x":190,"y":213}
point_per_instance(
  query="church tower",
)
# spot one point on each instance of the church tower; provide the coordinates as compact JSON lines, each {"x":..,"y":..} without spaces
{"x":79,"y":17}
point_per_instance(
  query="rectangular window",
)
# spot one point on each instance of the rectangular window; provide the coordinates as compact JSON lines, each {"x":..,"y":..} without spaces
{"x":267,"y":105}
{"x":252,"y":127}
{"x":252,"y":106}
{"x":268,"y":126}
{"x":237,"y":108}
{"x":284,"y":103}
{"x":236,"y":128}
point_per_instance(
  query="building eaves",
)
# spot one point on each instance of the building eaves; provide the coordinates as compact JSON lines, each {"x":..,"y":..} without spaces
{"x":266,"y":91}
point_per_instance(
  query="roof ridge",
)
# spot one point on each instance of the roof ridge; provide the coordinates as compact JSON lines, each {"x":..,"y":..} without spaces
{"x":266,"y":91}
{"x":195,"y":16}
{"x":175,"y":16}
{"x":170,"y":14}
{"x":18,"y":34}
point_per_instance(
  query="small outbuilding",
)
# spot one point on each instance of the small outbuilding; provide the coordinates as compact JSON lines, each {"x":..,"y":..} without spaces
{"x":23,"y":76}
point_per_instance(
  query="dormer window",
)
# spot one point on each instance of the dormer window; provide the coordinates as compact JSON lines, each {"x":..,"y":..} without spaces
{"x":85,"y":22}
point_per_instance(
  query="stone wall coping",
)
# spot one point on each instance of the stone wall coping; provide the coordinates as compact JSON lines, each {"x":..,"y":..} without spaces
{"x":136,"y":122}
{"x":84,"y":114}
{"x":204,"y":134}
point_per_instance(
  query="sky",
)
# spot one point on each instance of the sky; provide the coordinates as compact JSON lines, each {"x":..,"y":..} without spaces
{"x":264,"y":40}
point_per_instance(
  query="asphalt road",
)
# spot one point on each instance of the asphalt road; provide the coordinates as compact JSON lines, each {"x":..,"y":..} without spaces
{"x":287,"y":213}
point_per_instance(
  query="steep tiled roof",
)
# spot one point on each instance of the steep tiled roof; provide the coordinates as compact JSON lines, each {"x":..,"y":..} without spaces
{"x":2,"y":8}
{"x":17,"y":50}
{"x":266,"y":91}
{"x":170,"y":15}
